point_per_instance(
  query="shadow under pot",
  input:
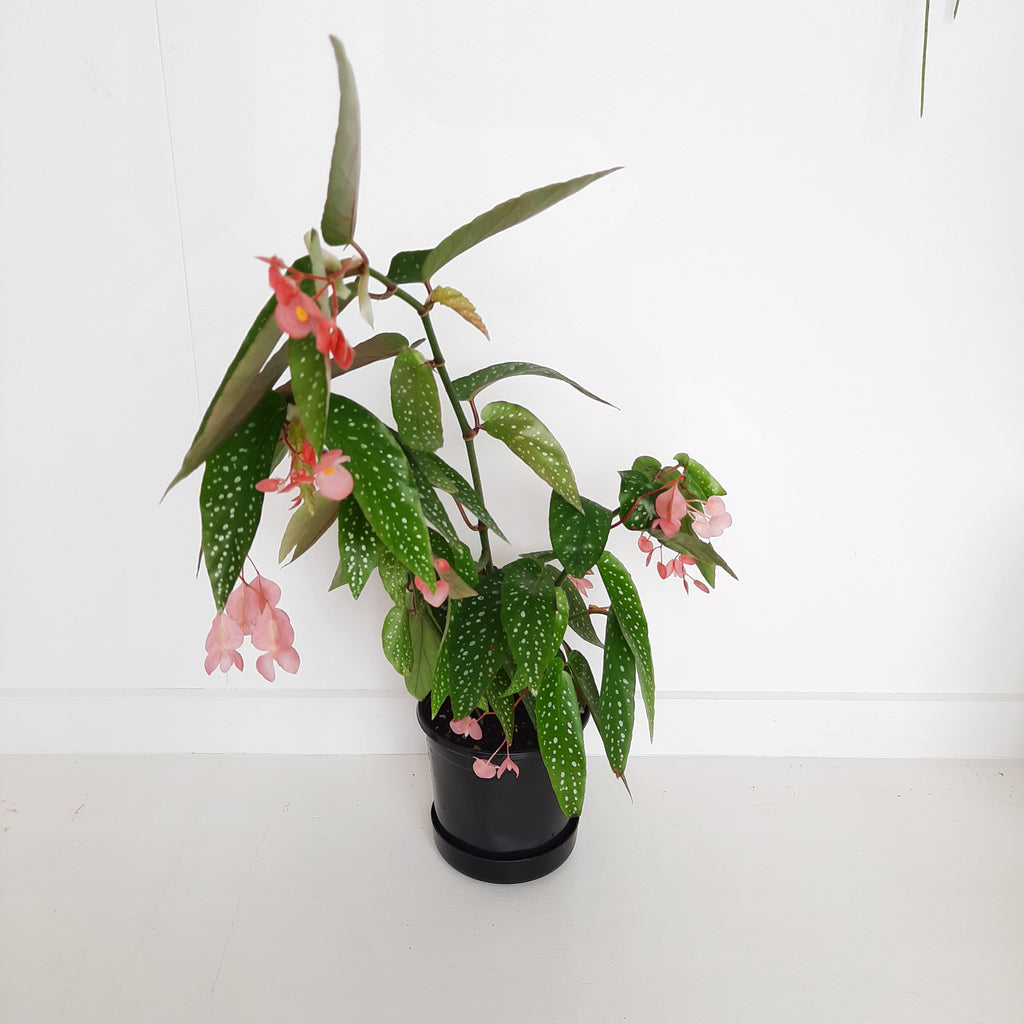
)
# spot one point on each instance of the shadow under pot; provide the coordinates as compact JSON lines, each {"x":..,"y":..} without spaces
{"x":507,"y":829}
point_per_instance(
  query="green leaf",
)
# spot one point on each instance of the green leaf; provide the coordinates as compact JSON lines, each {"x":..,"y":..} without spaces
{"x":629,"y":612}
{"x":700,"y":550}
{"x":502,"y":704}
{"x":433,"y":511}
{"x":441,"y":687}
{"x":396,"y":641}
{"x":339,"y":218}
{"x":476,"y":645}
{"x":458,"y":556}
{"x":618,"y":695}
{"x":415,"y":402}
{"x":583,"y":678}
{"x":699,"y":482}
{"x":309,"y":522}
{"x":636,"y":504}
{"x":393,"y":575}
{"x":380,"y":346}
{"x":578,"y":537}
{"x":245,"y":382}
{"x":382,"y":482}
{"x":309,"y":386}
{"x":501,"y":217}
{"x":357,"y":547}
{"x":531,"y":618}
{"x":445,"y":478}
{"x":229,"y":504}
{"x":405,"y":266}
{"x":579,"y":618}
{"x":561,"y":739}
{"x":468,"y":387}
{"x":426,"y":647}
{"x":528,"y":438}
{"x":648,"y":466}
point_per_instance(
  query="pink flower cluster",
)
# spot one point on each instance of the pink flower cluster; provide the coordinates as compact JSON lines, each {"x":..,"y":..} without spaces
{"x":251,"y":611}
{"x":299,"y":315}
{"x":326,"y":473}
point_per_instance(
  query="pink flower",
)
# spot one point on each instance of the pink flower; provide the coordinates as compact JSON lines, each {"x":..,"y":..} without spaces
{"x":296,"y":313}
{"x":508,"y":765}
{"x":671,"y":508}
{"x":222,"y":644}
{"x":331,"y":342}
{"x":583,"y":586}
{"x":646,"y":545}
{"x":332,"y":479}
{"x":441,"y":587}
{"x":273,"y":633}
{"x":713,"y":521}
{"x":467,"y":726}
{"x":484,"y":769}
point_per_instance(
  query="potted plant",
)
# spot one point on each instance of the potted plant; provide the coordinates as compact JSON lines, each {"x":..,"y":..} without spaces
{"x":487,"y":647}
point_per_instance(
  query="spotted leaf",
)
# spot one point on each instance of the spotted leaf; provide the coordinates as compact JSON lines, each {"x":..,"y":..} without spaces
{"x":310,"y":387}
{"x":415,"y":402}
{"x":618,"y":695}
{"x":578,"y":537}
{"x":472,"y":384}
{"x":476,"y":645}
{"x":357,"y":546}
{"x":560,"y":732}
{"x":446,"y":478}
{"x":426,"y":646}
{"x":396,"y":641}
{"x":532,"y":618}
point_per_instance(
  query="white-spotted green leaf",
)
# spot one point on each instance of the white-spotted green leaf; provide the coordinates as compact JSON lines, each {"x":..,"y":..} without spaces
{"x":531,"y":617}
{"x":618,"y":695}
{"x":405,"y":266}
{"x":339,"y":218}
{"x":433,"y":511}
{"x":393,"y":575}
{"x":476,"y":644}
{"x":229,"y":504}
{"x":472,"y":384}
{"x":502,"y":704}
{"x":357,"y":547}
{"x":382,"y":483}
{"x":309,"y":522}
{"x":579,"y":617}
{"x":310,"y":387}
{"x":699,"y":482}
{"x":445,"y":478}
{"x":426,"y":646}
{"x":586,"y":686}
{"x":528,"y":438}
{"x":457,"y":554}
{"x":441,"y":687}
{"x":415,"y":402}
{"x":629,"y":612}
{"x":561,"y":739}
{"x":396,"y":641}
{"x":578,"y":538}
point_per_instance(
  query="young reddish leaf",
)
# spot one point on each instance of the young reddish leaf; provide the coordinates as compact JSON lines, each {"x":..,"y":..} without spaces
{"x":456,"y":300}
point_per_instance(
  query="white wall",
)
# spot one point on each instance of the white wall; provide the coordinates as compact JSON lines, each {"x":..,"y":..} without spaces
{"x":794,"y":278}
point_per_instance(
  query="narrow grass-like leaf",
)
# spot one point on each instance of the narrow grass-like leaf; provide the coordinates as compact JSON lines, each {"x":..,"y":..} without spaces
{"x":229,"y":504}
{"x":530,"y":617}
{"x":339,"y":218}
{"x":396,"y":641}
{"x":472,"y":384}
{"x":528,"y":438}
{"x":445,"y":478}
{"x":426,"y":646}
{"x":561,"y":739}
{"x":357,"y":546}
{"x":629,"y":612}
{"x":501,"y":217}
{"x":309,"y":522}
{"x":382,"y":482}
{"x":578,"y":538}
{"x":415,"y":402}
{"x":618,"y":695}
{"x":476,"y":645}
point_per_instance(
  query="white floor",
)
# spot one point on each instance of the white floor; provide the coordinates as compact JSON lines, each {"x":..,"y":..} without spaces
{"x":245,"y":889}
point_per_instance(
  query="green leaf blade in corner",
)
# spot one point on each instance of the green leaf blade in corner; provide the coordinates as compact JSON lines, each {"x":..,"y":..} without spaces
{"x":415,"y":402}
{"x":528,"y":438}
{"x":560,"y":732}
{"x":229,"y":504}
{"x":339,"y":218}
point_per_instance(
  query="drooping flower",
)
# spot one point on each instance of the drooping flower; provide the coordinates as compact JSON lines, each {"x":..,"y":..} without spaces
{"x":273,"y":634}
{"x":441,"y":587}
{"x":484,"y":769}
{"x":467,"y":726}
{"x":331,"y":342}
{"x":222,"y":644}
{"x":671,"y":508}
{"x":646,"y":545}
{"x":584,"y":586}
{"x":332,"y":479}
{"x":508,"y":765}
{"x":713,"y":520}
{"x":296,"y":313}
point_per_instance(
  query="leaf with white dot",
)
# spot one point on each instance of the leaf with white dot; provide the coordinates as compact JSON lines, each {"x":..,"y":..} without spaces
{"x":578,"y":538}
{"x":229,"y":504}
{"x":476,"y":645}
{"x":579,"y":617}
{"x":629,"y":612}
{"x":396,"y":641}
{"x":415,"y":402}
{"x":502,"y":704}
{"x":310,"y":387}
{"x":381,"y":482}
{"x":433,"y":511}
{"x":528,"y":438}
{"x":618,"y":695}
{"x":393,"y":575}
{"x":446,"y":478}
{"x":560,"y":733}
{"x":532,"y":618}
{"x":357,"y":545}
{"x":441,"y":686}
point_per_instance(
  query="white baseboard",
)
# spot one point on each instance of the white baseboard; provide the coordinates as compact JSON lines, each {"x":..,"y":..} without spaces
{"x":117,"y":721}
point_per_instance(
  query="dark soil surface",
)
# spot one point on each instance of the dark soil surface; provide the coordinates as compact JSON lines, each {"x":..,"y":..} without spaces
{"x":525,"y":737}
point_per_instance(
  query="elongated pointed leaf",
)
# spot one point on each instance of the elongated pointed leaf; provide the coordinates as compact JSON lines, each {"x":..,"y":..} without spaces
{"x":700,"y":550}
{"x":699,"y":482}
{"x":310,"y":387}
{"x":583,"y":678}
{"x":382,"y":482}
{"x":339,"y":219}
{"x":504,"y":215}
{"x":415,"y":402}
{"x":357,"y":545}
{"x":629,"y":612}
{"x":528,"y":438}
{"x":433,"y":511}
{"x":531,"y":618}
{"x":406,"y":266}
{"x":309,"y":522}
{"x":476,"y":645}
{"x":380,"y":346}
{"x":441,"y":687}
{"x":618,"y":695}
{"x":502,"y":704}
{"x":394,"y":576}
{"x":458,"y":556}
{"x":445,"y":478}
{"x":561,"y":739}
{"x":472,"y":384}
{"x":229,"y":504}
{"x":396,"y":641}
{"x":579,"y":618}
{"x":426,"y":646}
{"x":578,"y":537}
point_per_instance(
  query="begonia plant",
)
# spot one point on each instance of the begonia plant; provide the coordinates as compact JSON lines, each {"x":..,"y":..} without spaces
{"x":464,"y":629}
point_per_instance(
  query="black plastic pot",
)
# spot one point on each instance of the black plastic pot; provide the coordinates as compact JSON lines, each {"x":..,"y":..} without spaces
{"x":497,"y":830}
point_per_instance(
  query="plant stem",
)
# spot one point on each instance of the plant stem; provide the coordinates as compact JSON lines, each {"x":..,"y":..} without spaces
{"x":446,"y":383}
